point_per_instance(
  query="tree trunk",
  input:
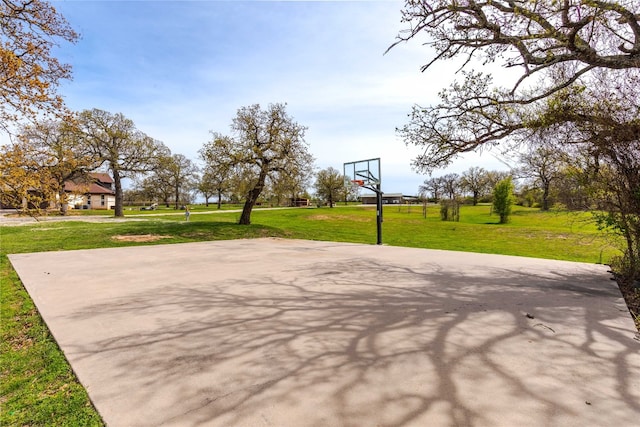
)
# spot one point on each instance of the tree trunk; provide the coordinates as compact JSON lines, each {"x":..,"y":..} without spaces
{"x":219,"y":199}
{"x":245,"y":218}
{"x":62,"y":197}
{"x":119,"y":212}
{"x":177,"y":195}
{"x":545,"y":197}
{"x":252,"y":198}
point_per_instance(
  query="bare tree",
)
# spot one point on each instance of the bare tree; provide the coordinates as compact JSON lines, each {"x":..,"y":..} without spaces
{"x":433,"y":185}
{"x":562,"y":50}
{"x":451,"y":185}
{"x":494,"y":177}
{"x":611,"y":149}
{"x":543,"y":164}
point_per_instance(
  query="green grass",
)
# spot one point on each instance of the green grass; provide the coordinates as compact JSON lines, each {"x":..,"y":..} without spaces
{"x":39,"y":388}
{"x":531,"y":233}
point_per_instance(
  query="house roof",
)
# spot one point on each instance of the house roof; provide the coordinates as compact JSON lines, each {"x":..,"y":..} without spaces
{"x":90,"y":188}
{"x":102,"y":177}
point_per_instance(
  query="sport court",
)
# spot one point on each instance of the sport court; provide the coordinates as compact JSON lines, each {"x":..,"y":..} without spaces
{"x":274,"y":332}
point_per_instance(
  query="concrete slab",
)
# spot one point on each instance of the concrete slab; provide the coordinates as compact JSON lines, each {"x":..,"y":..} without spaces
{"x":272,"y":332}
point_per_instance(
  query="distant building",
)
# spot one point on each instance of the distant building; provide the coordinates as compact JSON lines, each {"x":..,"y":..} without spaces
{"x":98,"y":193}
{"x":388,"y":199}
{"x":299,"y":202}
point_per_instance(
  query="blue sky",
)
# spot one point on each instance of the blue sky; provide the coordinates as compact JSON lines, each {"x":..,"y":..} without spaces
{"x":180,"y":69}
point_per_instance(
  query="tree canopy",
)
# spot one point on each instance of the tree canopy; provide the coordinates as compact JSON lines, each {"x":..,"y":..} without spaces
{"x":329,"y":185}
{"x":119,"y":145}
{"x":554,"y":45}
{"x":29,"y":74}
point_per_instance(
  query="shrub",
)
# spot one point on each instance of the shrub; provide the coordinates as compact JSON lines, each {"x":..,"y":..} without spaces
{"x":503,"y":199}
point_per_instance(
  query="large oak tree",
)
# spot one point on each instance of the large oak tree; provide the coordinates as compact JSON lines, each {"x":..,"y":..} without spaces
{"x":263,"y":144}
{"x":121,"y":147}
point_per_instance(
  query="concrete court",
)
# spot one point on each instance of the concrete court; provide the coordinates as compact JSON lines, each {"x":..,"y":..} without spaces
{"x":272,"y":332}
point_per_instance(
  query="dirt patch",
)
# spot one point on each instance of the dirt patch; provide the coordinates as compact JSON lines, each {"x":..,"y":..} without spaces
{"x":20,"y":342}
{"x":139,"y":237}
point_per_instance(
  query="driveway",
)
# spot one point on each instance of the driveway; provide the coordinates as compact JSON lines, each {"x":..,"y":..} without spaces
{"x":273,"y":332}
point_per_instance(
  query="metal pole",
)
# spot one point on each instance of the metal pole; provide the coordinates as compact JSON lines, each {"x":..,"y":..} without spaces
{"x":379,"y":214}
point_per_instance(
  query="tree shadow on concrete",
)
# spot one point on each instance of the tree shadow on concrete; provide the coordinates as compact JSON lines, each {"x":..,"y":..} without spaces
{"x":362,"y":343}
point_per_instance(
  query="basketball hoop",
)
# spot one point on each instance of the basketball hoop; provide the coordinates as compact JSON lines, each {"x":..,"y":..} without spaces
{"x":366,"y":174}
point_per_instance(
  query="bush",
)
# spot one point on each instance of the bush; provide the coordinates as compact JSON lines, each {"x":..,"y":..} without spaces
{"x":503,"y":199}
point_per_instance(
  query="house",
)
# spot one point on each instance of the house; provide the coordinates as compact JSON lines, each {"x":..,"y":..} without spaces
{"x":387,"y":199}
{"x":299,"y":202}
{"x":97,"y":193}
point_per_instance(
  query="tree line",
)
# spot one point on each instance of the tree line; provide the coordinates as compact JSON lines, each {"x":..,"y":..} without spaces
{"x":50,"y":145}
{"x":264,"y":158}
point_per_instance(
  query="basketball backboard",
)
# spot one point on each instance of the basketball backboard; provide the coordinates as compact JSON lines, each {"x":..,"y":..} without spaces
{"x":365,"y":173}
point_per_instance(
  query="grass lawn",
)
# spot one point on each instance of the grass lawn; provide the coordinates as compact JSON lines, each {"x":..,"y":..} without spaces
{"x":531,"y":233}
{"x":38,"y":386}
